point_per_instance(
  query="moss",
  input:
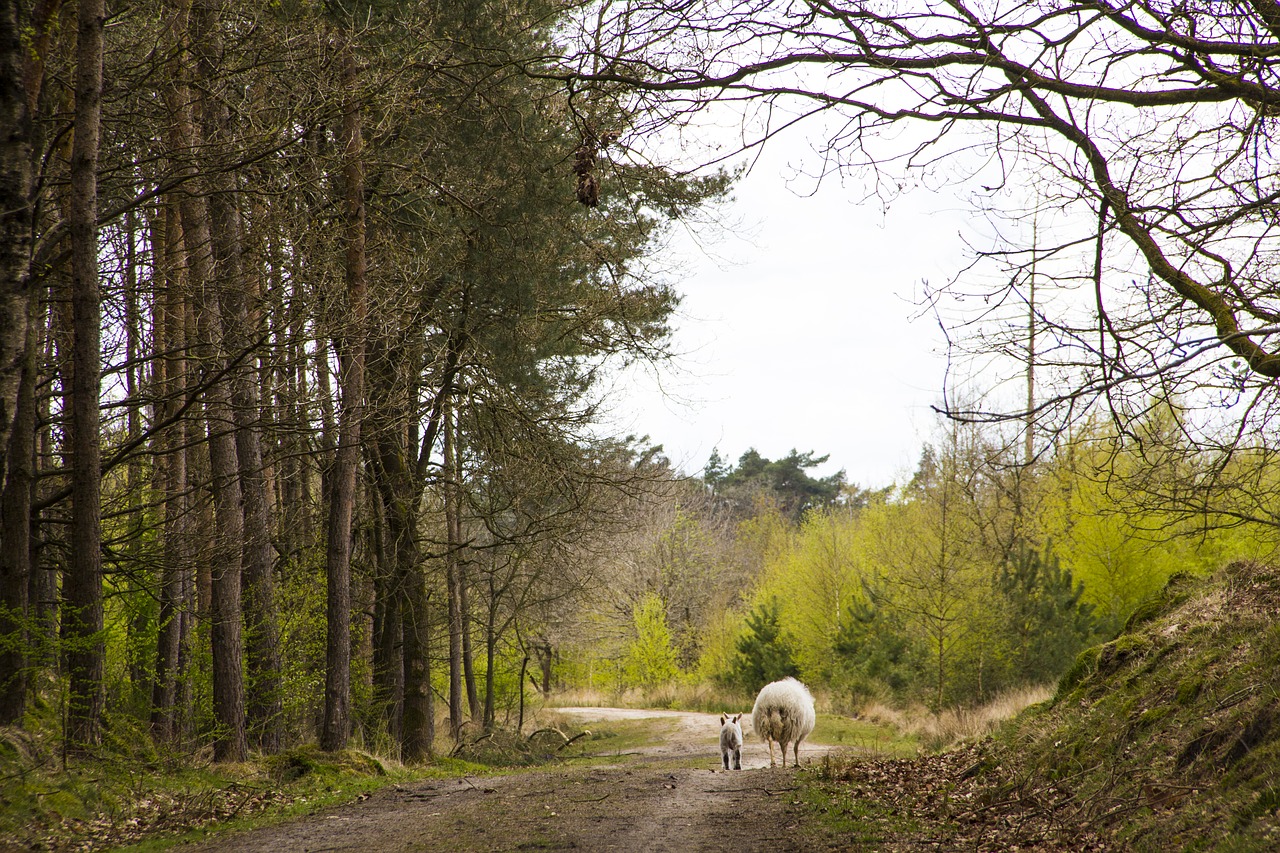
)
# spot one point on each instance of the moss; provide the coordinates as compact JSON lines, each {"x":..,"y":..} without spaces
{"x":1086,"y":664}
{"x":311,"y":760}
{"x":1151,"y":716}
{"x":1189,"y":689}
{"x":1124,"y":649}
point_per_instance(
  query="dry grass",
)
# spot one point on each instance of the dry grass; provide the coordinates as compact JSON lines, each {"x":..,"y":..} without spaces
{"x":937,"y":731}
{"x":676,"y":696}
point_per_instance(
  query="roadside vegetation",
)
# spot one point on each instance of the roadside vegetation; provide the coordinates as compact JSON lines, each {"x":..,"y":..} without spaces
{"x":1167,"y":737}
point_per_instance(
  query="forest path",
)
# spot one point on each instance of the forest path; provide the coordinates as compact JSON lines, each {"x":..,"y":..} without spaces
{"x":665,"y":796}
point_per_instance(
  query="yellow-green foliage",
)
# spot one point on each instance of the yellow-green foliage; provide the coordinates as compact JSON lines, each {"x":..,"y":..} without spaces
{"x":814,"y":581}
{"x":651,"y":657}
{"x":1122,"y":542}
{"x":720,"y":646}
{"x":919,"y":567}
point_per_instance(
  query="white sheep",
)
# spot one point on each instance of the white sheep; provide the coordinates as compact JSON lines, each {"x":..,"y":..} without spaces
{"x":731,"y":741}
{"x":784,"y":713}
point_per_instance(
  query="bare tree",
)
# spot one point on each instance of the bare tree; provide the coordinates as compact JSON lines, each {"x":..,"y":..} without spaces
{"x":1147,"y":126}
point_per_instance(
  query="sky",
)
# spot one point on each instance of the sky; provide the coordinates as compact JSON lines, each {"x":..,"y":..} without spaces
{"x":800,"y":328}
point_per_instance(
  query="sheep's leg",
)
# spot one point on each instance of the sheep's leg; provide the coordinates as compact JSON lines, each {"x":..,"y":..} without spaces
{"x":773,"y":763}
{"x":783,"y":743}
{"x":796,"y":761}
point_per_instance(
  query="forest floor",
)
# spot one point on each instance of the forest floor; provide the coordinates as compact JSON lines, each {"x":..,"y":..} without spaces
{"x":669,"y":795}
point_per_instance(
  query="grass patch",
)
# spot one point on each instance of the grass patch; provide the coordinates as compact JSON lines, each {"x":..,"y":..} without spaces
{"x":153,"y":803}
{"x":863,"y":823}
{"x":614,"y":738}
{"x":868,"y":737}
{"x":109,"y":801}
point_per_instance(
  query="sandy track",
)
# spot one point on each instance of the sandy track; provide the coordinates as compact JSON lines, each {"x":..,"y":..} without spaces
{"x":651,"y":800}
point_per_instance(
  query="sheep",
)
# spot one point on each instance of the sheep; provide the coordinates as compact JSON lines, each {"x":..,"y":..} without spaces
{"x":783,"y":712}
{"x":731,"y":740}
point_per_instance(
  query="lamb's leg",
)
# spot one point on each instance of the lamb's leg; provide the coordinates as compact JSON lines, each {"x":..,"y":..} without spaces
{"x":724,"y":756}
{"x":737,"y":758}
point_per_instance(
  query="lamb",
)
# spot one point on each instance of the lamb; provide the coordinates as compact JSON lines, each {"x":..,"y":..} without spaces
{"x":731,"y":740}
{"x":784,"y":713}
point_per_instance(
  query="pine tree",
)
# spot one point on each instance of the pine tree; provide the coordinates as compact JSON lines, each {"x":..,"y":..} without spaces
{"x":1047,"y":620}
{"x":763,"y":655}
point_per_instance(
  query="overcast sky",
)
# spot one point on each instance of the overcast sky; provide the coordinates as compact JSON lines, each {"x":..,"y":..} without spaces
{"x":802,"y":329}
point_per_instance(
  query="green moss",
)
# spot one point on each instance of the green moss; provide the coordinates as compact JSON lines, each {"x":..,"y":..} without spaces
{"x":1086,"y":664}
{"x":1189,"y":689}
{"x":1151,"y":716}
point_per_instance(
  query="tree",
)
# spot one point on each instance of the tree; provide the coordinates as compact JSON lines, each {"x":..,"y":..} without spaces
{"x":875,"y":649}
{"x":1148,"y":127}
{"x":763,"y":653}
{"x":784,"y":480}
{"x":82,"y":615}
{"x":337,"y":719}
{"x":270,"y":407}
{"x":16,"y":217}
{"x":650,"y":660}
{"x":1049,"y":622}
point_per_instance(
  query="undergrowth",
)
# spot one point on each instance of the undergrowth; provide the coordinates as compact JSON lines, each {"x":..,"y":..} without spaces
{"x":1169,"y":736}
{"x":1165,"y":738}
{"x":131,"y":792}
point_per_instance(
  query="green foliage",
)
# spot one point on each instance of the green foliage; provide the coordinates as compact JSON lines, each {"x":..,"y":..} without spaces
{"x":650,"y":659}
{"x":301,"y":598}
{"x":763,"y":654}
{"x":785,"y":481}
{"x":876,"y":651}
{"x":1047,"y":620}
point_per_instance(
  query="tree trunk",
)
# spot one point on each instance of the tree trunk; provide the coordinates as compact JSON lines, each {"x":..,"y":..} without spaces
{"x":225,"y":560}
{"x":15,"y":219}
{"x":169,"y":338}
{"x":395,"y":485}
{"x":490,"y":652}
{"x":82,"y":585}
{"x":42,"y":594}
{"x":388,"y":637}
{"x":256,"y":560}
{"x":464,"y":595}
{"x":453,"y":575}
{"x":15,"y":542}
{"x":351,"y":350}
{"x":139,"y":586}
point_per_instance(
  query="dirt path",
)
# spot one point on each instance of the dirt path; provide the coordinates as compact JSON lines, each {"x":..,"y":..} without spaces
{"x":669,"y":796}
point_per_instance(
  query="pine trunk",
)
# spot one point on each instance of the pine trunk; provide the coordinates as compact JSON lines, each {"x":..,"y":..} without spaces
{"x":82,"y":584}
{"x":170,"y":341}
{"x":453,"y":577}
{"x":15,"y":220}
{"x":342,"y":496}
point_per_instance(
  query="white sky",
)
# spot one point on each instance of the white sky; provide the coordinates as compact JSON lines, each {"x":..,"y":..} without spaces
{"x":801,"y":329}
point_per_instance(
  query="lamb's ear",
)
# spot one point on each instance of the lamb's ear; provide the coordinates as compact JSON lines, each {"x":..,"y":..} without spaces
{"x":737,"y":717}
{"x":722,"y":718}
